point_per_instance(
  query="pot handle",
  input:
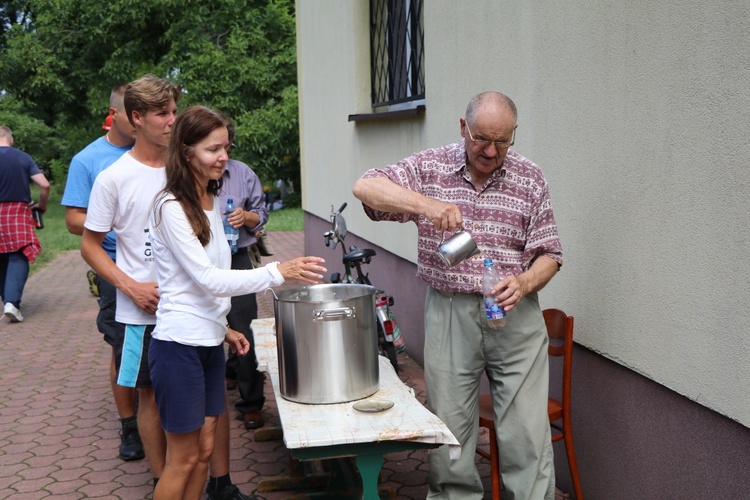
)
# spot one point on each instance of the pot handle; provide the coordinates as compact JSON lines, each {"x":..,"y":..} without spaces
{"x":334,"y":314}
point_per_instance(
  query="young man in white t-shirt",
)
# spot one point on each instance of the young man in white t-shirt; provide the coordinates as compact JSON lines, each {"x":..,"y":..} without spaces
{"x":83,"y":170}
{"x":120,"y":201}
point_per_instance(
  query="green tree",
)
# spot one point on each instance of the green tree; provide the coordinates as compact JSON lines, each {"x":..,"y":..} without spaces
{"x":59,"y":59}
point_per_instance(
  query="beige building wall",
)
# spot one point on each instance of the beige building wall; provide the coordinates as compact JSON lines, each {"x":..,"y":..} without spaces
{"x":638,"y":113}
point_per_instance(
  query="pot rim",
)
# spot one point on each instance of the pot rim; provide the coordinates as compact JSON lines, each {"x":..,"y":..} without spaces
{"x":284,"y":295}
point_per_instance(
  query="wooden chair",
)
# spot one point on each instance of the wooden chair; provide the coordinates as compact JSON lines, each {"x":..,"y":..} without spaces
{"x":560,"y":331}
{"x":487,"y":420}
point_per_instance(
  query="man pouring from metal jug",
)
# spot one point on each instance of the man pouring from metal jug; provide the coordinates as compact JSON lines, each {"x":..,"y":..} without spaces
{"x":503,"y":200}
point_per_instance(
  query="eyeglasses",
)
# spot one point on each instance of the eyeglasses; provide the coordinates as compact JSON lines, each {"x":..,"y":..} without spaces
{"x":483,"y":143}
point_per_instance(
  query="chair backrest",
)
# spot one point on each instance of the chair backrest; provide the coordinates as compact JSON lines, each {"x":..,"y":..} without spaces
{"x":560,"y":332}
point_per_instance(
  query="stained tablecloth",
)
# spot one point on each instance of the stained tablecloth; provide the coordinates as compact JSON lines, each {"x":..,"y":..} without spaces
{"x":314,"y":425}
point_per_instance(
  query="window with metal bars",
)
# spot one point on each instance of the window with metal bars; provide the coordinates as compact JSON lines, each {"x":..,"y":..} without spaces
{"x":396,"y":51}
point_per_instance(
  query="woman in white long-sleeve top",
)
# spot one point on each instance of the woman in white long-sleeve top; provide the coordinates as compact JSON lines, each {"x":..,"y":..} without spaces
{"x":195,"y":284}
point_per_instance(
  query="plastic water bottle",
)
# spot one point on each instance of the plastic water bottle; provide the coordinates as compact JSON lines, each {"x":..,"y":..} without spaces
{"x":495,"y":312}
{"x":232,"y":233}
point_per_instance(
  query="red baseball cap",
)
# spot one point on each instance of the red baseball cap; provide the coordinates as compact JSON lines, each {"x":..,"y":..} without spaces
{"x":107,"y":122}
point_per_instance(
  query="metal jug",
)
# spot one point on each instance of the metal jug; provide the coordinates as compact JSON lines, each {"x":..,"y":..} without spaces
{"x":458,"y":247}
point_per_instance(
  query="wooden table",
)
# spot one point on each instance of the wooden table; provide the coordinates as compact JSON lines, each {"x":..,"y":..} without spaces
{"x":314,"y":431}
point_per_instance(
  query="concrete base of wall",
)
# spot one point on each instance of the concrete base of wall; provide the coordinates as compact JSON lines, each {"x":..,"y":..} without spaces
{"x":634,"y":438}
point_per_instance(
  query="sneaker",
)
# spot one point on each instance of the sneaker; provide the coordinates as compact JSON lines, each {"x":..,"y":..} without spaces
{"x":131,"y":447}
{"x":13,"y":313}
{"x":230,"y":492}
{"x":93,"y":285}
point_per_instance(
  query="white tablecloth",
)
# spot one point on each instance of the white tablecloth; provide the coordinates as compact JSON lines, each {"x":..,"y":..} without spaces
{"x":308,"y":425}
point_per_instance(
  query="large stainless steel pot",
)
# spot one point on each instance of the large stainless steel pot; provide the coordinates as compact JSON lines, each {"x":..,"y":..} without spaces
{"x":327,"y":341}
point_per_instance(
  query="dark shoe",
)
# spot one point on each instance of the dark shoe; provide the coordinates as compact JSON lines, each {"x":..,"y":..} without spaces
{"x":231,"y":384}
{"x":131,"y":447}
{"x":253,"y":419}
{"x":231,"y":492}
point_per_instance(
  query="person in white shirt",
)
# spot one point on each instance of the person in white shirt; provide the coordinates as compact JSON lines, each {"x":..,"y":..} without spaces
{"x":120,"y":201}
{"x":193,"y":262}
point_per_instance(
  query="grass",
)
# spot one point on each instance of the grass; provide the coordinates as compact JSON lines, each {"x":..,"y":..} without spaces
{"x":286,"y":219}
{"x":56,"y":239}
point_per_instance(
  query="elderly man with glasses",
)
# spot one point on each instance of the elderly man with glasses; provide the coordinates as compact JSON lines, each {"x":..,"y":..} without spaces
{"x":502,"y":199}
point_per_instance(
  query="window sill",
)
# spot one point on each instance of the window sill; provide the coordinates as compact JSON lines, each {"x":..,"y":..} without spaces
{"x":386,"y":115}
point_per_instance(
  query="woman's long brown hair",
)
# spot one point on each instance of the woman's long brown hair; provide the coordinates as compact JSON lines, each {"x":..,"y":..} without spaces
{"x":191,"y":126}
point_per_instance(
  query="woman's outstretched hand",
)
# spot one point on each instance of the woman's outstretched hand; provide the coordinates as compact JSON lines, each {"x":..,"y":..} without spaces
{"x":305,"y":269}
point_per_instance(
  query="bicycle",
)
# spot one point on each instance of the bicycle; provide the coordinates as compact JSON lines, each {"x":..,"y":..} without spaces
{"x":390,"y":342}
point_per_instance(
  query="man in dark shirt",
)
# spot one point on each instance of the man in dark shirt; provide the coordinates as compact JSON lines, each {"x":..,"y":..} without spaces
{"x":19,"y":245}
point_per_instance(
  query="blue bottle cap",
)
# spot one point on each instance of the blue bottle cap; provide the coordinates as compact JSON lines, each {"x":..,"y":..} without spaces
{"x":487,"y":262}
{"x":230,"y":201}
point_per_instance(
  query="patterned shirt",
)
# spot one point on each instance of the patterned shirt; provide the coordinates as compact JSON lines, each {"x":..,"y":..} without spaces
{"x":510,"y":217}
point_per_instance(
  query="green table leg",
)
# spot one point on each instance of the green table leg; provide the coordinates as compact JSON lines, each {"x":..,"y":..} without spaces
{"x":369,"y":458}
{"x":369,"y":469}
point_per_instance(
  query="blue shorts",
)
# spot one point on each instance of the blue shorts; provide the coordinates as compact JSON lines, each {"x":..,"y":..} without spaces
{"x":134,"y":370}
{"x":188,"y":384}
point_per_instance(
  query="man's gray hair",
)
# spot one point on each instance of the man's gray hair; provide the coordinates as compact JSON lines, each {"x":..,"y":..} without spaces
{"x":480,"y":100}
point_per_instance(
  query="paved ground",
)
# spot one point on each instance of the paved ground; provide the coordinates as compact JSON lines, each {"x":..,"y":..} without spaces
{"x":58,"y":425}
